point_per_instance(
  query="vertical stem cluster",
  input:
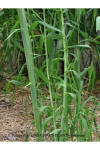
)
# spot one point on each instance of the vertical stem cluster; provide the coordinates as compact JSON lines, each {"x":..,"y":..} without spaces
{"x":48,"y":73}
{"x":30,"y":64}
{"x":78,"y":17}
{"x":47,"y":60}
{"x":65,"y":106}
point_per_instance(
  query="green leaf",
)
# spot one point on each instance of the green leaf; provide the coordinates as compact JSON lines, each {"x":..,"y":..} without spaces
{"x":98,"y":23}
{"x":70,"y":25}
{"x":49,"y":119}
{"x":77,"y":75}
{"x":15,"y":82}
{"x":85,"y":35}
{"x":28,"y":84}
{"x":55,"y":131}
{"x":91,"y":73}
{"x":72,"y":95}
{"x":79,"y":82}
{"x":78,"y":46}
{"x":43,"y":108}
{"x":57,"y":110}
{"x":94,"y":14}
{"x":49,"y":26}
{"x":83,"y":73}
{"x":40,"y":74}
{"x":86,"y":101}
{"x":12,"y":34}
{"x":84,"y":123}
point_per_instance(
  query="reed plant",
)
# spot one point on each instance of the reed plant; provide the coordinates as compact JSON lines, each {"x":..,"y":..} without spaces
{"x":30,"y":65}
{"x":57,"y":45}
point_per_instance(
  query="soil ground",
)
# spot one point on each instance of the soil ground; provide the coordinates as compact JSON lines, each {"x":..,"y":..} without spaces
{"x":16,"y":121}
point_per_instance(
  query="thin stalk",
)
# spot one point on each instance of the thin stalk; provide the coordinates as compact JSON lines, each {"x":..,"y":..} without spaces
{"x":65,"y":104}
{"x":48,"y":74}
{"x":79,"y":13}
{"x":47,"y":61}
{"x":30,"y":65}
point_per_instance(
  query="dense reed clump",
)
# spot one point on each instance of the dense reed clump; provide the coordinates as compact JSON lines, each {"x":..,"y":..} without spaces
{"x":61,"y":55}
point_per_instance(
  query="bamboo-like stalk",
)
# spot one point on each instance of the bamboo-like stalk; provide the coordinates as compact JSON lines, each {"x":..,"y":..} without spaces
{"x":78,"y":15}
{"x":47,"y":60}
{"x":65,"y":105}
{"x":30,"y":64}
{"x":48,"y":74}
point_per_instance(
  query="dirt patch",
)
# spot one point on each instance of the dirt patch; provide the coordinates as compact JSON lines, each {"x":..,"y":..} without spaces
{"x":15,"y":122}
